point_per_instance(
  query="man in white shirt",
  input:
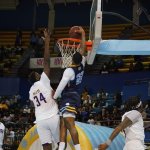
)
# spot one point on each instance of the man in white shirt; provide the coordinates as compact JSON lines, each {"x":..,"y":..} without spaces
{"x":69,"y":88}
{"x":46,"y":109}
{"x":2,"y":135}
{"x":132,"y":125}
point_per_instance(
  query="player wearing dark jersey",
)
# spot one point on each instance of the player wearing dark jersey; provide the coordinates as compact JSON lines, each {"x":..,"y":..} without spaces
{"x":70,"y":95}
{"x":68,"y":88}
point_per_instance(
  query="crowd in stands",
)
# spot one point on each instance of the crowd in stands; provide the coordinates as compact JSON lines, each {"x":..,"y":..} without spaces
{"x":117,"y":62}
{"x":102,"y":108}
{"x":37,"y":42}
{"x":17,"y":119}
{"x":8,"y":56}
{"x":8,"y":53}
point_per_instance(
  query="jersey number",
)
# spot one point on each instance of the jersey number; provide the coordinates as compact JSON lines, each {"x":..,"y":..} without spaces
{"x":40,"y":99}
{"x":79,"y":77}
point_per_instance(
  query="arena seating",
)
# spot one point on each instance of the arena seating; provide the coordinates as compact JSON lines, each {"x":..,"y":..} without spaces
{"x":7,"y":38}
{"x":112,"y":31}
{"x":138,"y":34}
{"x":108,"y":32}
{"x":130,"y":59}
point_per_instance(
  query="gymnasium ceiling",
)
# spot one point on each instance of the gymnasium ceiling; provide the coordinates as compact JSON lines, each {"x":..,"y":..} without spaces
{"x":63,"y":1}
{"x":51,"y":3}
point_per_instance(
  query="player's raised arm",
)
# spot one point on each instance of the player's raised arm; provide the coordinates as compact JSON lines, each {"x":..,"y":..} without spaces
{"x":65,"y":79}
{"x":83,"y":45}
{"x":47,"y":53}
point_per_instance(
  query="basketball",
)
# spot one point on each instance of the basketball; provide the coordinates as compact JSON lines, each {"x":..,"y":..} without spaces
{"x":73,"y":33}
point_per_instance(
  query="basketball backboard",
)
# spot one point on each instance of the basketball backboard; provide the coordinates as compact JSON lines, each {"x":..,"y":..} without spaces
{"x":113,"y":46}
{"x":95,"y":29}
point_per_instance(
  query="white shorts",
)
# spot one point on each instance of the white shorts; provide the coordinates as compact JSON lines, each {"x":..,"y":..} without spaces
{"x":68,"y":114}
{"x":134,"y":144}
{"x":48,"y":130}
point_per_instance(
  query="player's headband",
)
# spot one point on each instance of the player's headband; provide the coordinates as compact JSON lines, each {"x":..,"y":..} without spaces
{"x":139,"y":104}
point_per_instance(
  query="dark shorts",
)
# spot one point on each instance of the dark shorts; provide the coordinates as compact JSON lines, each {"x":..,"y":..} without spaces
{"x":69,"y":102}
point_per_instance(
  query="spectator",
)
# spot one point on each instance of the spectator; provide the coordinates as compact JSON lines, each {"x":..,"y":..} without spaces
{"x":33,"y":39}
{"x":119,"y":62}
{"x":91,"y":119}
{"x":104,"y":69}
{"x":3,"y":105}
{"x":112,"y":65}
{"x":84,"y":114}
{"x":10,"y":135}
{"x":2,"y":52}
{"x":131,"y":67}
{"x":137,"y":58}
{"x":118,"y":99}
{"x":138,"y":66}
{"x":18,"y":41}
{"x":8,"y":64}
{"x":84,"y":94}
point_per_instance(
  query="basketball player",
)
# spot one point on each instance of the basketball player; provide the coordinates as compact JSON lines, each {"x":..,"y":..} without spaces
{"x":2,"y":135}
{"x":68,"y":88}
{"x":46,"y":109}
{"x":132,"y":125}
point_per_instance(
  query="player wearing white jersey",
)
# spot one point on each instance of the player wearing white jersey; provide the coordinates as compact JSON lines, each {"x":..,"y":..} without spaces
{"x":132,"y":125}
{"x":46,"y":109}
{"x":134,"y":134}
{"x":2,"y":134}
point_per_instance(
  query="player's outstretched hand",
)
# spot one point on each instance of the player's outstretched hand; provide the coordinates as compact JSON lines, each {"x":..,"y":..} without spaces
{"x":103,"y":146}
{"x":46,"y":34}
{"x":80,"y":31}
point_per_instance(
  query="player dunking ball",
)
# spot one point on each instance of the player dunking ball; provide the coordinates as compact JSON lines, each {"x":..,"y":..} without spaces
{"x":132,"y":125}
{"x":46,"y":109}
{"x":69,"y":88}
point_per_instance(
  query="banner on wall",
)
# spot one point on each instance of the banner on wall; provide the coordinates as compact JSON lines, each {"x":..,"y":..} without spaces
{"x":55,"y":62}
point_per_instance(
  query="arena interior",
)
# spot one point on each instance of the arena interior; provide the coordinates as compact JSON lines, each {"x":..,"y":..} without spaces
{"x":108,"y":81}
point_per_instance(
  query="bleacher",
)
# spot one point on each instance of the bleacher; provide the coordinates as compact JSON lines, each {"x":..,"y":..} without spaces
{"x":139,"y":34}
{"x":112,"y":31}
{"x":128,"y":61}
{"x":108,"y":32}
{"x":7,"y":70}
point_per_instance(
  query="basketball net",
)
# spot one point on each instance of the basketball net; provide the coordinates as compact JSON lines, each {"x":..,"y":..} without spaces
{"x":68,"y":47}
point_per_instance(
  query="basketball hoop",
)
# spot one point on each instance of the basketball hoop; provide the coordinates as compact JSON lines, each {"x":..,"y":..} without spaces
{"x":68,"y":47}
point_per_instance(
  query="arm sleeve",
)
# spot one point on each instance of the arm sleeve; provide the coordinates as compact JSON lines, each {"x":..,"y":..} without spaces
{"x":83,"y":60}
{"x":133,"y":116}
{"x":67,"y":76}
